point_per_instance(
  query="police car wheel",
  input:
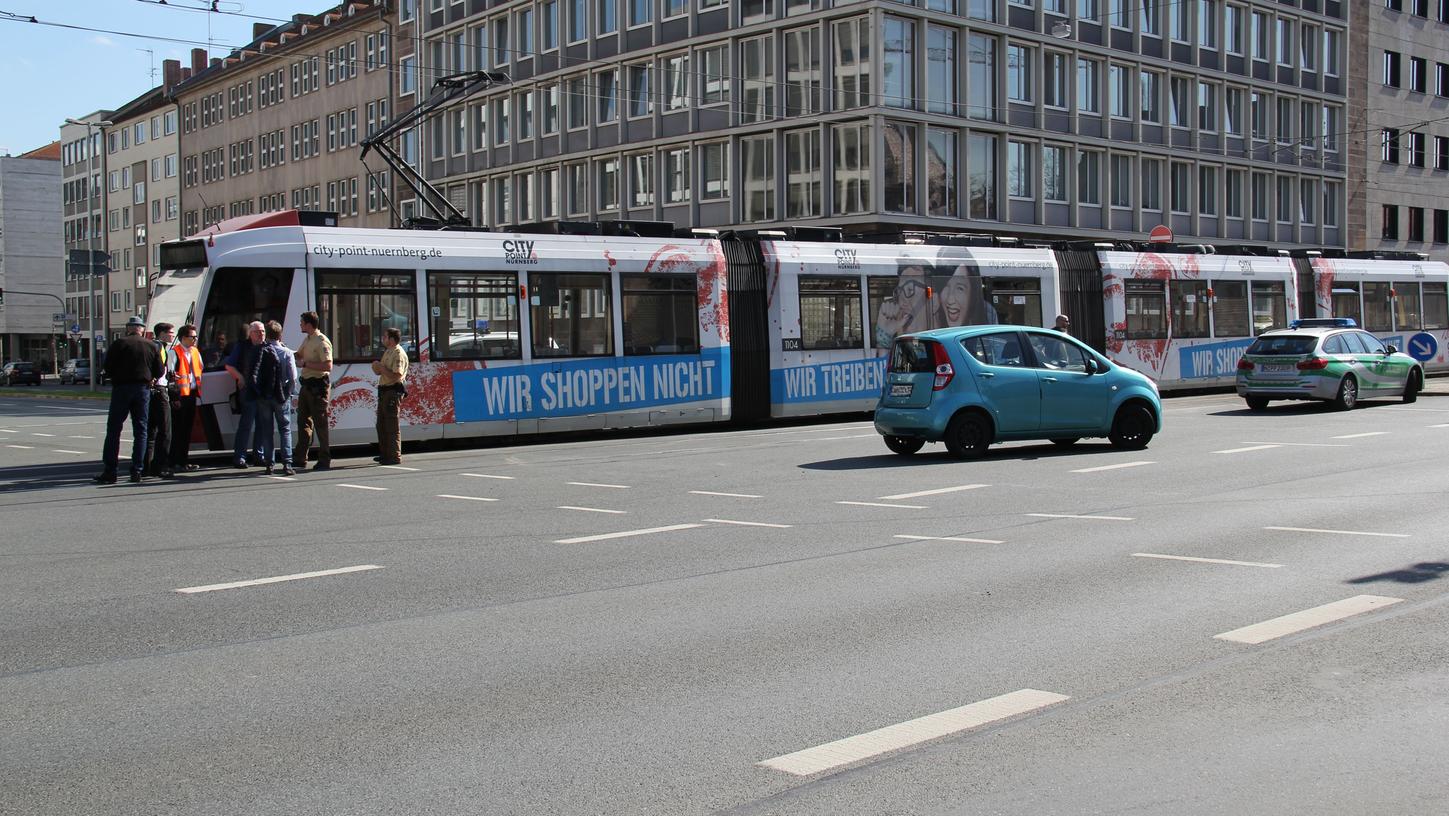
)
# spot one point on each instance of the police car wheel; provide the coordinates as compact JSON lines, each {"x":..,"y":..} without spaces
{"x":1347,"y":398}
{"x":1413,"y":386}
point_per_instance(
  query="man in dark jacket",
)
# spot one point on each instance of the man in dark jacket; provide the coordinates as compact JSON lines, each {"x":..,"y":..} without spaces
{"x":133,"y":364}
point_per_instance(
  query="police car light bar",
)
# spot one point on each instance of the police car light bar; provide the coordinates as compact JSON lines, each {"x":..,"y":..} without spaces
{"x":1324,"y":323}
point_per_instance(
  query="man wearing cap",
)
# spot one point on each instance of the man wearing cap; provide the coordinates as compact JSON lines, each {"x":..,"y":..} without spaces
{"x":133,"y":364}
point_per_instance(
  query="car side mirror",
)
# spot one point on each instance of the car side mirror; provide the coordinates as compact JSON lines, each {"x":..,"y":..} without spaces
{"x":1391,"y":350}
{"x":1092,"y":367}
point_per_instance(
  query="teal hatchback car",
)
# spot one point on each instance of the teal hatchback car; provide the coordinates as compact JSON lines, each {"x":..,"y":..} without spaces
{"x":971,"y":386}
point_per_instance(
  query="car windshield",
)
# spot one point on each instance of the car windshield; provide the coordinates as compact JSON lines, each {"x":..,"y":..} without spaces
{"x":1284,"y":344}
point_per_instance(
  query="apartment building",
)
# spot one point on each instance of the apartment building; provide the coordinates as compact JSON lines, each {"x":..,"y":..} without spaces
{"x":83,"y":206}
{"x":1399,"y":115}
{"x":30,"y":260}
{"x":1038,"y":118}
{"x":277,"y":124}
{"x":142,"y":193}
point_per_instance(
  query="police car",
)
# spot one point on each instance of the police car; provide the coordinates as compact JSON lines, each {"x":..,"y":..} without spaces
{"x":1327,"y":359}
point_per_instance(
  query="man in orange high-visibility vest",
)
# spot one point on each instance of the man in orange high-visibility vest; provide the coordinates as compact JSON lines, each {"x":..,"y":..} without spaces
{"x":186,"y":372}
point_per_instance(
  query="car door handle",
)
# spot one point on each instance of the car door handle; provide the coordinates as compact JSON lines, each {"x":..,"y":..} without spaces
{"x":986,"y":375}
{"x":1049,"y":379}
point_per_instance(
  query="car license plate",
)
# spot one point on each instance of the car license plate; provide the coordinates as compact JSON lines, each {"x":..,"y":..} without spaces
{"x":901,"y":389}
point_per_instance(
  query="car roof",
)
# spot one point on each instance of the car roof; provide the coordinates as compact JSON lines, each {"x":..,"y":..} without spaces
{"x":971,"y":331}
{"x":1308,"y":331}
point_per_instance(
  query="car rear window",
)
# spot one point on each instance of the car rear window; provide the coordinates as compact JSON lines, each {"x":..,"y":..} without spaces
{"x":911,"y":356}
{"x":1284,"y":344}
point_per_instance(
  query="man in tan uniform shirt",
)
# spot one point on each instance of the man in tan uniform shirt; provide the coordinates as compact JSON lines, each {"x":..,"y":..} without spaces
{"x":314,"y":363}
{"x":391,"y":370}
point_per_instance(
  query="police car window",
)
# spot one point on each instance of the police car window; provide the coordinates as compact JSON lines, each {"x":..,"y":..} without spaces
{"x":996,"y":349}
{"x":1353,"y":344}
{"x":1283,"y":344}
{"x":1370,"y":343}
{"x":1057,"y":354}
{"x":1335,"y":345}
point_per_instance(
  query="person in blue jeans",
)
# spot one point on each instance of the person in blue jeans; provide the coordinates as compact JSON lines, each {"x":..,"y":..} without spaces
{"x":275,"y":378}
{"x":240,"y":364}
{"x":133,"y":363}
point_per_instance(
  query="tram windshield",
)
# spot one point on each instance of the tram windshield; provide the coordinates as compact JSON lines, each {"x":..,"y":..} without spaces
{"x":239,"y":295}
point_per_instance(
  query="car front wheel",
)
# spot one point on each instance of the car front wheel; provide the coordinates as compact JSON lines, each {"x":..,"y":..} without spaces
{"x":1133,"y":427}
{"x":1347,"y":397}
{"x":904,"y":445}
{"x":968,"y":436}
{"x":1413,"y":386}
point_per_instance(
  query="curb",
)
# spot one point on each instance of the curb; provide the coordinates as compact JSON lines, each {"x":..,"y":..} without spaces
{"x":41,"y":395}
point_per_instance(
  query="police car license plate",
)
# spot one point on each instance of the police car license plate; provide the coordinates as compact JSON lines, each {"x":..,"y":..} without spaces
{"x":1276,"y":370}
{"x":901,"y":389}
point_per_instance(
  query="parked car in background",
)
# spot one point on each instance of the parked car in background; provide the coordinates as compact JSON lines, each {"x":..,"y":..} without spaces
{"x":77,"y":370}
{"x":20,"y":373}
{"x":969,"y":387}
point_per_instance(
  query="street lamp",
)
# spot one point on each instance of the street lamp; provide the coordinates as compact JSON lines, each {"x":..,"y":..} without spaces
{"x":95,"y":150}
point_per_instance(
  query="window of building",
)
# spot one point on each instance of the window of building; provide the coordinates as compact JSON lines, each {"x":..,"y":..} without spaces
{"x":941,"y":71}
{"x":1285,"y":41}
{"x":1121,"y":170}
{"x":676,"y":79}
{"x":1390,"y":222}
{"x":1020,"y":170}
{"x":715,"y":80}
{"x":1180,"y":184}
{"x":1151,"y":94}
{"x":1416,"y":148}
{"x":803,"y":183}
{"x":981,"y":175}
{"x":900,"y":176}
{"x":1054,"y":173}
{"x":852,"y":170}
{"x":830,"y":313}
{"x":1119,"y":91}
{"x":1389,"y":145}
{"x":898,"y":73}
{"x":1088,"y":79}
{"x":641,"y":179}
{"x":571,"y":315}
{"x":641,"y":102}
{"x":606,"y":172}
{"x":1416,"y":224}
{"x":757,"y":160}
{"x":851,"y":67}
{"x":981,"y":77}
{"x":478,"y":315}
{"x":1152,"y":184}
{"x":714,"y":171}
{"x":1019,"y":62}
{"x":1054,"y":80}
{"x":1392,"y":62}
{"x":1207,"y":107}
{"x":757,"y":85}
{"x":1207,"y":190}
{"x":1180,"y":102}
{"x":607,"y":16}
{"x":1207,"y":23}
{"x":941,"y":197}
{"x":1418,"y":74}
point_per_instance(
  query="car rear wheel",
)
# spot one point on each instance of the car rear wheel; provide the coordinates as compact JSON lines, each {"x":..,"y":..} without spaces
{"x":1347,"y":397}
{"x":904,"y":445}
{"x":1133,"y":427}
{"x":1256,"y":403}
{"x":1065,"y":442}
{"x":968,"y":436}
{"x":1413,"y":386}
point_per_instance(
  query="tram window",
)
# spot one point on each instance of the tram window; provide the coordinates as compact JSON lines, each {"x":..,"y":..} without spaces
{"x":571,"y":315}
{"x":1346,"y":302}
{"x":475,"y":315}
{"x":1189,"y":308}
{"x":1407,"y":312}
{"x":830,"y":313}
{"x":661,"y":314}
{"x":1436,"y":305}
{"x":1230,"y":309}
{"x":356,"y":305}
{"x":1270,"y":307}
{"x":1376,"y":308}
{"x":1016,"y":301}
{"x":239,"y":295}
{"x":1146,"y":309}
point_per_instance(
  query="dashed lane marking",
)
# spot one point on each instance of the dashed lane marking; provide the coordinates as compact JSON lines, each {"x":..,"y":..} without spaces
{"x":38,"y":433}
{"x":1299,"y":444}
{"x":591,"y":509}
{"x":749,"y":523}
{"x":727,"y":495}
{"x":912,"y":732}
{"x":488,"y":476}
{"x":938,"y":491}
{"x":1073,"y":516}
{"x":878,"y":504}
{"x":466,"y":498}
{"x":1307,"y":619}
{"x":1360,"y":435}
{"x":596,"y":484}
{"x":400,"y":467}
{"x":21,"y":447}
{"x":278,"y":579}
{"x":1118,"y":466}
{"x":361,"y":487}
{"x":280,"y":478}
{"x":1206,"y":560}
{"x":950,"y":538}
{"x":63,"y":450}
{"x":1337,"y":532}
{"x":1245,"y":450}
{"x":80,"y":437}
{"x":627,"y":533}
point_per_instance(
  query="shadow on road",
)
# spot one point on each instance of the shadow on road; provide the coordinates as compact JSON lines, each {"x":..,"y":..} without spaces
{"x":1300,"y":408}
{"x":1417,"y":574}
{"x":938,"y":455}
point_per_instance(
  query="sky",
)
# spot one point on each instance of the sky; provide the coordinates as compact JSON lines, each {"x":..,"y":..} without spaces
{"x":55,"y":72}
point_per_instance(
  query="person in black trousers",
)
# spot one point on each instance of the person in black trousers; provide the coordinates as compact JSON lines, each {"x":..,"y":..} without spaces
{"x":132,"y":363}
{"x":158,"y":423}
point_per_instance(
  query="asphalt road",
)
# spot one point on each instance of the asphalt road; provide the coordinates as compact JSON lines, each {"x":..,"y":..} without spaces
{"x":675,"y":624}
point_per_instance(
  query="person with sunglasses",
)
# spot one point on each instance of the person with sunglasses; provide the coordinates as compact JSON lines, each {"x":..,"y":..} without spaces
{"x":186,"y":375}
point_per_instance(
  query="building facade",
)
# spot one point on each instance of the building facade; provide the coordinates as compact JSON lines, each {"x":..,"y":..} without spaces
{"x":143,"y":204}
{"x":30,"y":257}
{"x":1399,"y":113}
{"x":83,"y":202}
{"x":277,"y":124}
{"x":1034,"y":118}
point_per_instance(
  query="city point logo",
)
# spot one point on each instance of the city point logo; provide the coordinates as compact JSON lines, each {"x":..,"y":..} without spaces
{"x":846,"y":259}
{"x":519,"y":252}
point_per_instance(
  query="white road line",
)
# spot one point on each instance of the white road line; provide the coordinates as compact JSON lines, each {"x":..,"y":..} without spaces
{"x":836,"y":438}
{"x":281,"y":478}
{"x":728,"y":495}
{"x":80,"y":437}
{"x":38,"y":433}
{"x":1113,"y":467}
{"x":21,"y":447}
{"x":950,"y":538}
{"x":7,"y":430}
{"x":361,"y":487}
{"x":1206,"y":560}
{"x":400,"y":467}
{"x":1299,"y":444}
{"x":878,"y":504}
{"x":1441,"y":425}
{"x":1245,"y":450}
{"x":627,"y":533}
{"x":590,"y":509}
{"x":596,"y":484}
{"x":1337,"y":532}
{"x":487,"y":476}
{"x":1307,"y":619}
{"x":1072,"y":516}
{"x":1360,"y":435}
{"x":749,"y":523}
{"x":63,"y":450}
{"x":466,"y":498}
{"x":938,"y":491}
{"x":912,"y":732}
{"x":278,"y":579}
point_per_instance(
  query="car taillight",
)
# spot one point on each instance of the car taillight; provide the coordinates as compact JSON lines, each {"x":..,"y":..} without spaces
{"x":1313,"y":364}
{"x":944,"y":371}
{"x":1244,"y":364}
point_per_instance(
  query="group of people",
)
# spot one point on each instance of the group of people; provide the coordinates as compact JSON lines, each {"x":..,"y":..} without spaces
{"x":157,"y":384}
